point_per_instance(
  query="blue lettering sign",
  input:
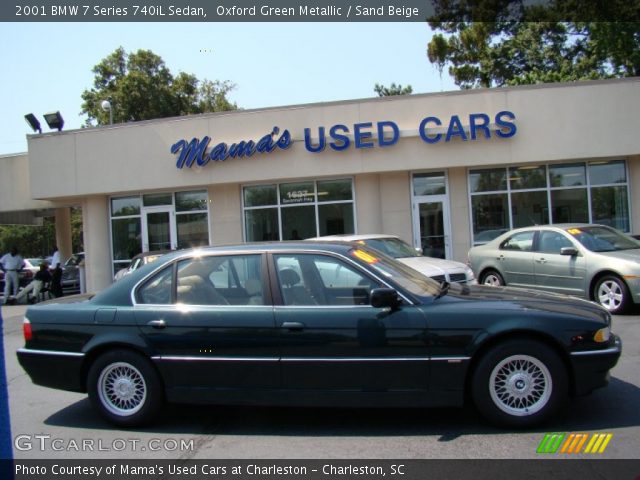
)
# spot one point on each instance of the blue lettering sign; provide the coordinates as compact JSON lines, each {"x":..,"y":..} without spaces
{"x":333,"y":133}
{"x":507,"y":129}
{"x":384,"y":142}
{"x":479,"y":121}
{"x":423,"y":130}
{"x":195,"y":151}
{"x":307,"y":140}
{"x":360,"y":136}
{"x":455,"y":129}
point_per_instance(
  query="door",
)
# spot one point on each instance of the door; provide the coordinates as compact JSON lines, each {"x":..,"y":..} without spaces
{"x":431,"y":227}
{"x":333,"y":341}
{"x":210,"y":323}
{"x":515,"y":259}
{"x":158,"y":229}
{"x":556,"y":272}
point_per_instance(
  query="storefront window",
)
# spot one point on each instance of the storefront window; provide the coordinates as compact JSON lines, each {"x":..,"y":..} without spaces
{"x":572,"y":175}
{"x":125,"y":206}
{"x":126,"y":236}
{"x":600,"y":197}
{"x":610,"y":206}
{"x":260,"y":195}
{"x":155,"y":199}
{"x":191,"y":201}
{"x":298,"y":210}
{"x":489,"y":180}
{"x":429,"y":184}
{"x":193,"y":230}
{"x":529,"y":208}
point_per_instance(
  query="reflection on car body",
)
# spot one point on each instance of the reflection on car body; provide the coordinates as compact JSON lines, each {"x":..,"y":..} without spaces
{"x":315,"y":324}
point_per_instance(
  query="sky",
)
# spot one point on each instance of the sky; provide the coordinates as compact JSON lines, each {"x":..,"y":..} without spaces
{"x":47,"y":66}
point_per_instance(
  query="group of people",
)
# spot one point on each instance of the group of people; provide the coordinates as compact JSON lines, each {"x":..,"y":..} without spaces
{"x":12,"y":263}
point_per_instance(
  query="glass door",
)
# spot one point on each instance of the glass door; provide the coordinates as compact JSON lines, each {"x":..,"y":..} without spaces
{"x":431,"y":226}
{"x":158,"y":229}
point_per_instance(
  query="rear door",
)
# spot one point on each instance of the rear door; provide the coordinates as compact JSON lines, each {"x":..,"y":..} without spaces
{"x":515,"y":259}
{"x":210,"y":326}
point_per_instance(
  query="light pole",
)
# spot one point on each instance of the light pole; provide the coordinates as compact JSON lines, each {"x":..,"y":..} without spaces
{"x":106,"y":105}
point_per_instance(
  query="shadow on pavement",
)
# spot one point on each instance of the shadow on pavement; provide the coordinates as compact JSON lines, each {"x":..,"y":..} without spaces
{"x":613,"y":407}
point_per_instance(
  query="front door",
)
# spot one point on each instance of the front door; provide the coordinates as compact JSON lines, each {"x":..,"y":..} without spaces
{"x":158,"y":229}
{"x":431,"y":226}
{"x":334,"y":341}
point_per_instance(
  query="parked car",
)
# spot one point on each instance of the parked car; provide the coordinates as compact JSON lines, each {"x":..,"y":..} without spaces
{"x":437,"y":268}
{"x":315,"y":324}
{"x":138,"y":261}
{"x":71,"y":274}
{"x":593,"y":261}
{"x":25,"y":276}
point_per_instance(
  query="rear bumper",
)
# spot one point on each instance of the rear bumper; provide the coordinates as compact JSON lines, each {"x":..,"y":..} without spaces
{"x":591,"y":369}
{"x":53,"y":369}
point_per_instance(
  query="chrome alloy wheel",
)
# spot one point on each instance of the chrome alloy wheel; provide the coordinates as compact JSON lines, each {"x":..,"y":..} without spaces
{"x":122,"y":389}
{"x":492,"y":280}
{"x":520,"y":385}
{"x":610,"y":295}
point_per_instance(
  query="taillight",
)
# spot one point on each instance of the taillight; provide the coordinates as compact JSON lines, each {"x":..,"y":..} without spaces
{"x":26,"y":330}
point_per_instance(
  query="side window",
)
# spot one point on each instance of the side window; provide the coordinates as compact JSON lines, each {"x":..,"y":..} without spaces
{"x":157,"y":290}
{"x":522,"y":241}
{"x":321,"y":280}
{"x":221,"y":280}
{"x":553,"y":242}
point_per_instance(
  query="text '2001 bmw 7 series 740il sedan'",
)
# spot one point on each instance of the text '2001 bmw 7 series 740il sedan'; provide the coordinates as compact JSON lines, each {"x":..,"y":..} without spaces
{"x":315,"y":324}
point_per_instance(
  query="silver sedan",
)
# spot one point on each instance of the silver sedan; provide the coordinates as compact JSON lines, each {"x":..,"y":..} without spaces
{"x":593,"y":261}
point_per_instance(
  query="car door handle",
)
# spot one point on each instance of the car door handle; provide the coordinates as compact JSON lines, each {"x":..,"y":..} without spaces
{"x":501,"y":257}
{"x":157,"y":324}
{"x":541,"y":260}
{"x":293,"y":325}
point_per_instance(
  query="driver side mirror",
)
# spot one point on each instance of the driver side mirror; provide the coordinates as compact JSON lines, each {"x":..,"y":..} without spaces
{"x":385,"y":298}
{"x":570,"y":251}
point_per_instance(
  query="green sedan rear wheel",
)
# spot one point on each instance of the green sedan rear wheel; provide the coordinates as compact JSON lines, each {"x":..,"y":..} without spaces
{"x":612,"y":293}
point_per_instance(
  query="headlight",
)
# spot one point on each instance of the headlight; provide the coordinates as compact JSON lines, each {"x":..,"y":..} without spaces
{"x":602,"y":335}
{"x":469,"y":273}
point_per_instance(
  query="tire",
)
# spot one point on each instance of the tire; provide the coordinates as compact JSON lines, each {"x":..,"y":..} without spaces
{"x":125,"y":388}
{"x":519,"y":383}
{"x":492,"y":278}
{"x":612,"y":293}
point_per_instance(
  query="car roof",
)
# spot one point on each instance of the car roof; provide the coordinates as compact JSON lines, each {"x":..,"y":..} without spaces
{"x":352,"y":237}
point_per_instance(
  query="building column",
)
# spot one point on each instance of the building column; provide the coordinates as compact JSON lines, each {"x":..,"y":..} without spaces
{"x":225,"y":214}
{"x":63,"y":232}
{"x":97,"y":251}
{"x":367,"y":196}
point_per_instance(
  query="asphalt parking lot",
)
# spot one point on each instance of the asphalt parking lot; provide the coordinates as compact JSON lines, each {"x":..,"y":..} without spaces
{"x":51,"y":424}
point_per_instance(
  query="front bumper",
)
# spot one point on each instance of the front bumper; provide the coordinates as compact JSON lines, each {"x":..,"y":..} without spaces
{"x":591,"y":368}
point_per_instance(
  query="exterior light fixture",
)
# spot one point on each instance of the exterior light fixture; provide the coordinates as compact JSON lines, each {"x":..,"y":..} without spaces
{"x":33,"y":122}
{"x":106,"y":106}
{"x":54,"y":120}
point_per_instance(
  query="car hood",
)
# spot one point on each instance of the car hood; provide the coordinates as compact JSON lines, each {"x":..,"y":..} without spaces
{"x":629,"y":255}
{"x":490,"y":298}
{"x":430,"y":266}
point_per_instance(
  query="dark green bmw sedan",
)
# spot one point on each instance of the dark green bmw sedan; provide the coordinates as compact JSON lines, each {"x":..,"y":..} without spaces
{"x":315,"y":324}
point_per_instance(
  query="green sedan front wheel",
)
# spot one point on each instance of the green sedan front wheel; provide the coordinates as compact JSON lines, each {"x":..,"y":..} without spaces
{"x":612,"y":293}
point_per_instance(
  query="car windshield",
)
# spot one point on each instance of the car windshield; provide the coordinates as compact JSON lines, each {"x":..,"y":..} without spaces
{"x":74,"y":260}
{"x":394,"y":247}
{"x":603,"y":239}
{"x":406,"y":277}
{"x":35,"y":261}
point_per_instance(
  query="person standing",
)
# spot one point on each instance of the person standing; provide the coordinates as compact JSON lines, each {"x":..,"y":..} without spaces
{"x":56,"y":273}
{"x":11,"y":263}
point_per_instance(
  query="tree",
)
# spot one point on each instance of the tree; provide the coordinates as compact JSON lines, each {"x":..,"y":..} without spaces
{"x":393,"y":89}
{"x":139,"y":86}
{"x":514,"y":44}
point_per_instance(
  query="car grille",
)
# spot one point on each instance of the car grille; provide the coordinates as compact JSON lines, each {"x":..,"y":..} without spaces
{"x":458,"y":277}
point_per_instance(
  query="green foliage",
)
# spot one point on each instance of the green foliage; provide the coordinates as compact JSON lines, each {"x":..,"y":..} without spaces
{"x":393,"y":89}
{"x":139,"y":86}
{"x":506,"y":48}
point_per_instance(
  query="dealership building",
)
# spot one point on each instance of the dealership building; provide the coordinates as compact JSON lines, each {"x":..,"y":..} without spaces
{"x":444,"y":171}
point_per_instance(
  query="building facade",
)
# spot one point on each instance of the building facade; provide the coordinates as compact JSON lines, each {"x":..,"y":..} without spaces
{"x":444,"y":171}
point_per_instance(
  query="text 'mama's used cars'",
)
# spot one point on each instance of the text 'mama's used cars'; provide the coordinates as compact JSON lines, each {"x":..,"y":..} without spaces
{"x":315,"y":324}
{"x":593,"y":261}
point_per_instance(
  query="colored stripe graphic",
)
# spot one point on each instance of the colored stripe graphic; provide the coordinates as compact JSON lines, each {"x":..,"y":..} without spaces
{"x":550,"y":443}
{"x":571,"y":443}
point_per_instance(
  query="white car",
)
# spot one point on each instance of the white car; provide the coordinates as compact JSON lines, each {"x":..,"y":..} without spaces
{"x":436,"y":268}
